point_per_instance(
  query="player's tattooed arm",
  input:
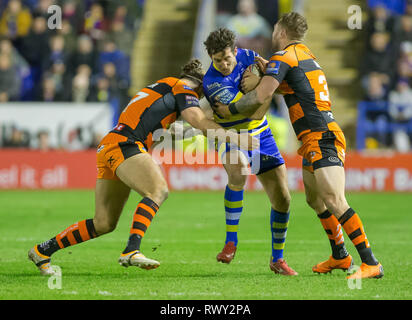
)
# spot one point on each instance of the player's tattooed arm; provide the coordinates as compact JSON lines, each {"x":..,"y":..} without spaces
{"x":251,"y":101}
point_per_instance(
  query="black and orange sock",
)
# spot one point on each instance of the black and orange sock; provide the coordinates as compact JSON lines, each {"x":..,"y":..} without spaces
{"x":353,"y":227}
{"x":333,"y":230}
{"x":142,"y":218}
{"x":76,"y":233}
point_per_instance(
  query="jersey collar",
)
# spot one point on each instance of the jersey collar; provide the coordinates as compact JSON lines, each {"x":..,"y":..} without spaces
{"x":292,"y":44}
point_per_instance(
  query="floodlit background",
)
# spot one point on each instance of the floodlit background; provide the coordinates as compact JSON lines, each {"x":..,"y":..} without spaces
{"x":63,"y":82}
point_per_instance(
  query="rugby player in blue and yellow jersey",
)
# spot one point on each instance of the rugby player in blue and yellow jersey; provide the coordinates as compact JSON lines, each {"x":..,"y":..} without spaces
{"x":223,"y":83}
{"x":294,"y":71}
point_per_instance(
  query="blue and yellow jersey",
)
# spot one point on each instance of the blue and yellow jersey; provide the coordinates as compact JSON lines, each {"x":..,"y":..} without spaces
{"x":226,"y":89}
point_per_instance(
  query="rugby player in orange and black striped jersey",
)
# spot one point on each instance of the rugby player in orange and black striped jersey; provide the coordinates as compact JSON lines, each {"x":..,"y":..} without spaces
{"x":124,"y":164}
{"x":294,"y":72}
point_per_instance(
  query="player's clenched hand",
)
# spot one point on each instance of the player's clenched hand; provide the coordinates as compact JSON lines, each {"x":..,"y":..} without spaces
{"x":262,"y":63}
{"x":222,"y":110}
{"x":249,"y":81}
{"x":248,"y":142}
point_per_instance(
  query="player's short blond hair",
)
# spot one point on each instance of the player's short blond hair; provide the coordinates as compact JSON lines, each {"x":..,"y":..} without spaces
{"x":294,"y":24}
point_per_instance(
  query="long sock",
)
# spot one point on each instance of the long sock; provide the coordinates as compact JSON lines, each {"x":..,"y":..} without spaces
{"x":233,"y":210}
{"x":353,"y":227}
{"x":279,"y":225}
{"x":143,"y":216}
{"x":76,"y":233}
{"x":334,"y":232}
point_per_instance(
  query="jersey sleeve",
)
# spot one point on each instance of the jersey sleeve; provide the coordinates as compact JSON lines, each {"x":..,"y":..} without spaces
{"x":185,"y":97}
{"x":250,"y":56}
{"x":279,"y":65}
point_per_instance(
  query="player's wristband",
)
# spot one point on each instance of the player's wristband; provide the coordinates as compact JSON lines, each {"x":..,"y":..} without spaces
{"x":232,"y":108}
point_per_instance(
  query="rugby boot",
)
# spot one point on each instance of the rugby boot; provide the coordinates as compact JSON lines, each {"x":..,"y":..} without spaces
{"x":228,"y":253}
{"x":332,"y":263}
{"x":367,"y":271}
{"x":281,"y":267}
{"x":137,"y":259}
{"x":41,"y":261}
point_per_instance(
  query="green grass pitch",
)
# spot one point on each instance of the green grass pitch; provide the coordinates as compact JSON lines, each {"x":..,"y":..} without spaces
{"x":185,"y":237}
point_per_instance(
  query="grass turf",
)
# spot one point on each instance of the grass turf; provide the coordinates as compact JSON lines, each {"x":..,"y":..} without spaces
{"x":185,"y":237}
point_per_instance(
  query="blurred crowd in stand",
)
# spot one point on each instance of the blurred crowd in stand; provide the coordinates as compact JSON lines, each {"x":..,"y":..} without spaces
{"x":84,"y":57}
{"x":387,"y":73}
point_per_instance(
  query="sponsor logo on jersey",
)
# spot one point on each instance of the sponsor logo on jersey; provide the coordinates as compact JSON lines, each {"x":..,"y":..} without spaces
{"x":192,"y":100}
{"x":187,"y":88}
{"x":273,"y":67}
{"x":225,"y":96}
{"x":214,"y":85}
{"x":334,"y":159}
{"x":280,"y":53}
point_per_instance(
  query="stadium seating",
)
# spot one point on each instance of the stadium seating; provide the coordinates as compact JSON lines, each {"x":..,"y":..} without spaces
{"x":166,"y":34}
{"x":375,"y":122}
{"x":337,"y":50}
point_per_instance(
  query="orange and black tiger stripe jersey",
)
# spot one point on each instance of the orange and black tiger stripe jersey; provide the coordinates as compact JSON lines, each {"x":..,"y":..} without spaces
{"x":304,"y":87}
{"x":155,"y":107}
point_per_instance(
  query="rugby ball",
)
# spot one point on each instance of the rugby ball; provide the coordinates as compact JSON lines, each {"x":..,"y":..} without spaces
{"x":254,"y":69}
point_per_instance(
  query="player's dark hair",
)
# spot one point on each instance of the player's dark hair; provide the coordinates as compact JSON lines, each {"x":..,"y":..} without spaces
{"x":219,"y":40}
{"x":294,"y":24}
{"x":193,"y":70}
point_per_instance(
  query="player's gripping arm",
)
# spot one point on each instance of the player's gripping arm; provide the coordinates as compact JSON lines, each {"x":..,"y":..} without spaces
{"x":189,"y":107}
{"x":251,"y":101}
{"x":249,"y":82}
{"x":182,"y":130}
{"x":197,"y":119}
{"x":275,"y":73}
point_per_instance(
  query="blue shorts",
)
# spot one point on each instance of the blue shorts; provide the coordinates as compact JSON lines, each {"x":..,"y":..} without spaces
{"x":266,"y":158}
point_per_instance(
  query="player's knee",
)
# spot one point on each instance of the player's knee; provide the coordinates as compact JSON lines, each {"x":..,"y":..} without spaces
{"x":104,"y":226}
{"x":282,"y":201}
{"x":312,"y":202}
{"x":286,"y":200}
{"x":159,"y":195}
{"x":164,"y":194}
{"x":237,"y":180}
{"x":335,"y":203}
